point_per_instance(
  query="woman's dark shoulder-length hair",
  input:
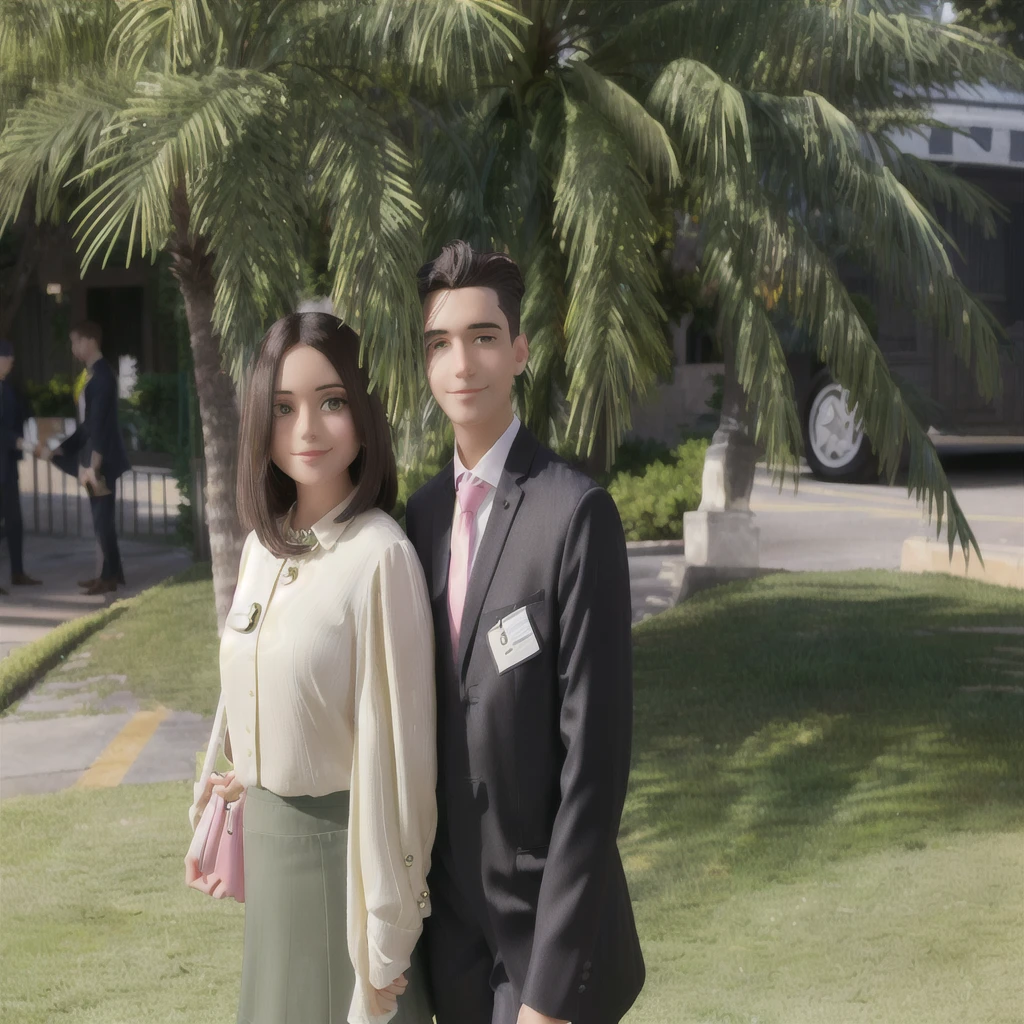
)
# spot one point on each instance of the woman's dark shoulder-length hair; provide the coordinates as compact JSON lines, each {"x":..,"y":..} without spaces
{"x":265,"y":493}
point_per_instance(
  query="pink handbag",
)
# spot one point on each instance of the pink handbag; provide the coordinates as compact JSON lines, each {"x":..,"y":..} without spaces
{"x":214,"y":863}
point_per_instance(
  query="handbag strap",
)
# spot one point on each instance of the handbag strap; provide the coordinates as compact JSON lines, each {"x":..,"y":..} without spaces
{"x":216,"y":737}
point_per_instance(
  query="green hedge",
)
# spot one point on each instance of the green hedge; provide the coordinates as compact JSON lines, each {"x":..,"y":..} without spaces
{"x":24,"y":665}
{"x":651,"y":505}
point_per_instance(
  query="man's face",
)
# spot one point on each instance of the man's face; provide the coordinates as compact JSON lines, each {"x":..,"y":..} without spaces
{"x":471,"y":360}
{"x":79,"y":344}
{"x":6,"y":365}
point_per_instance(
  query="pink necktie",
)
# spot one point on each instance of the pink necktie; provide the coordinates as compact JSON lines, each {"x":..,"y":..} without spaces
{"x":471,"y":493}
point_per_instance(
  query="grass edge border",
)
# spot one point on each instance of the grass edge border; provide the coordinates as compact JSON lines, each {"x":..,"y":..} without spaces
{"x":26,"y":665}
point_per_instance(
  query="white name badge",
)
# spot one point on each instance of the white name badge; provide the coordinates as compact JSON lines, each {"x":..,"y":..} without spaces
{"x":512,"y":640}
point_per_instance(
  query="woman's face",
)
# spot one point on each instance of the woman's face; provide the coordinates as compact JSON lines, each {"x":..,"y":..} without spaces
{"x":314,"y":438}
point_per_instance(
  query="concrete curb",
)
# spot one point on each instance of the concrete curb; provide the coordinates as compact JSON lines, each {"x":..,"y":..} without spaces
{"x":654,"y":547}
{"x":1003,"y":567}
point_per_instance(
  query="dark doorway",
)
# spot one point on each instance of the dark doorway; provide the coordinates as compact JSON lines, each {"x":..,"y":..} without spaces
{"x":119,"y":312}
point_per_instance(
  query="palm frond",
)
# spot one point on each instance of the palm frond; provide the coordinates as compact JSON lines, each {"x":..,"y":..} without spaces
{"x":357,"y":165}
{"x":543,"y":320}
{"x":45,"y":140}
{"x":251,"y":205}
{"x":445,"y":46}
{"x":165,"y":134}
{"x":614,"y":345}
{"x":649,"y":144}
{"x":170,"y":34}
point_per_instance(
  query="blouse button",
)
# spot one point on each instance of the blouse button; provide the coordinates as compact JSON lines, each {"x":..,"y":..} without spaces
{"x":424,"y":895}
{"x":251,"y":694}
{"x":422,"y":905}
{"x":408,"y":859}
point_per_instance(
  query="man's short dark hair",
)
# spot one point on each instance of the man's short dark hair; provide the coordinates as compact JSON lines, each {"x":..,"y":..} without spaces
{"x":459,"y":265}
{"x":89,"y":329}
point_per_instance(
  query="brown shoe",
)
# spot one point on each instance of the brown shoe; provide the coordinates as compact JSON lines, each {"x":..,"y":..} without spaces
{"x":102,"y":587}
{"x":21,"y":580}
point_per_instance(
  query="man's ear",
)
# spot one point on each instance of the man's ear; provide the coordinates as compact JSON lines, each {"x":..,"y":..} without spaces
{"x":520,"y":352}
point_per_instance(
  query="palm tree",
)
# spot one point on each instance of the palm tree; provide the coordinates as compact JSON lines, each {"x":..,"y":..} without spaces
{"x":770,"y":119}
{"x":218,"y":132}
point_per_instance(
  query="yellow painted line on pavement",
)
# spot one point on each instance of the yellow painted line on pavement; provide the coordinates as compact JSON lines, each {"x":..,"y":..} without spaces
{"x":122,"y":751}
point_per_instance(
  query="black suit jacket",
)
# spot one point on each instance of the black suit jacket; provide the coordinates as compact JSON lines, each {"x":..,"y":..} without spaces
{"x":533,"y":763}
{"x":99,"y":431}
{"x":14,"y":410}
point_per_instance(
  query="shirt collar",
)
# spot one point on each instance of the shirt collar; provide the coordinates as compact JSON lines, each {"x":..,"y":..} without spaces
{"x":326,"y":530}
{"x":491,"y":465}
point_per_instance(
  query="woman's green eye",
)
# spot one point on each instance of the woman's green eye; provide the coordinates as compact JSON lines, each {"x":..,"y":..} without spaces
{"x":282,"y":409}
{"x":335,"y":404}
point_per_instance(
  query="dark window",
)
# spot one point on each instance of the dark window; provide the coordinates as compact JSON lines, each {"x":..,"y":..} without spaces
{"x":940,"y":142}
{"x":983,"y":137}
{"x":1017,"y":146}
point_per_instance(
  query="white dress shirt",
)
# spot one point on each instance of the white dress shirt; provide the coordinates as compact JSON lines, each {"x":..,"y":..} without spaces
{"x":327,"y":670}
{"x":488,"y":469}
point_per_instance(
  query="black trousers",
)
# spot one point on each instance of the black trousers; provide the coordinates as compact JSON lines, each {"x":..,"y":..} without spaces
{"x":10,"y":513}
{"x":103,"y":526}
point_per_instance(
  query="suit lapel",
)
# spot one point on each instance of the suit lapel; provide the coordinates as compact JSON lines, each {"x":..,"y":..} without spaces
{"x":507,"y":499}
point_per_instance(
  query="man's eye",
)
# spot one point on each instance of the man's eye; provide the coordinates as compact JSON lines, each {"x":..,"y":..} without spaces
{"x":282,"y":409}
{"x":335,"y":404}
{"x":486,"y":337}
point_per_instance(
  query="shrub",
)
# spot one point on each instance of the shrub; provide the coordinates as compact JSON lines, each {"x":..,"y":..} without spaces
{"x":410,"y":480}
{"x":54,"y":398}
{"x":154,"y":403}
{"x":651,"y":505}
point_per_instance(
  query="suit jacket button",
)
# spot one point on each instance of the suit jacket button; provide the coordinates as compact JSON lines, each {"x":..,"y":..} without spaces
{"x":587,"y":966}
{"x":586,"y":975}
{"x":422,"y":905}
{"x":408,"y":859}
{"x":424,"y":895}
{"x":582,"y":989}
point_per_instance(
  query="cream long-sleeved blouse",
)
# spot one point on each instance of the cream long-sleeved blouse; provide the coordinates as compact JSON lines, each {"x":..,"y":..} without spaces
{"x":327,"y":671}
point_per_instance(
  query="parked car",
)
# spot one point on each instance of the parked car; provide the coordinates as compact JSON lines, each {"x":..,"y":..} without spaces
{"x":941,"y":388}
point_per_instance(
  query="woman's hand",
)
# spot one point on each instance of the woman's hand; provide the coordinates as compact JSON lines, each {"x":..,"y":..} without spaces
{"x":223,"y":785}
{"x":226,"y":786}
{"x":387,"y":998}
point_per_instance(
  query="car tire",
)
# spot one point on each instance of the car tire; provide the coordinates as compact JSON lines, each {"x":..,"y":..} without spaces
{"x":835,"y":444}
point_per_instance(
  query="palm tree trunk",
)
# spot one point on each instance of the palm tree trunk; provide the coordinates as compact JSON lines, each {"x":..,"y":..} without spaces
{"x":192,"y":265}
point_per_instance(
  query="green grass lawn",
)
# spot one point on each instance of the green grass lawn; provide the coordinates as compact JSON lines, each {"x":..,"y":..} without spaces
{"x":825,"y":822}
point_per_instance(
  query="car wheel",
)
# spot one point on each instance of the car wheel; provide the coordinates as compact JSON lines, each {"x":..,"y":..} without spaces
{"x":835,"y":443}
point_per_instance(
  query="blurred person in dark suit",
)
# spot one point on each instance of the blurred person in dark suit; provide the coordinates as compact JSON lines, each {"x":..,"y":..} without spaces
{"x":14,"y":410}
{"x":95,"y":453}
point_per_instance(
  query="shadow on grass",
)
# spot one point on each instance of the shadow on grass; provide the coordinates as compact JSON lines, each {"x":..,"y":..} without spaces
{"x":796,"y":720}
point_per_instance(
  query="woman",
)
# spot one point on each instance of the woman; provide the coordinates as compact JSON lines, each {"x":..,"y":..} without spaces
{"x":327,"y":670}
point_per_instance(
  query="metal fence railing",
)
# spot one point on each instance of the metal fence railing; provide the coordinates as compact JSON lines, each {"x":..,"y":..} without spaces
{"x":55,"y":504}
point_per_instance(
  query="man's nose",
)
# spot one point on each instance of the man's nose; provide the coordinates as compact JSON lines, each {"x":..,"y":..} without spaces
{"x":463,"y":359}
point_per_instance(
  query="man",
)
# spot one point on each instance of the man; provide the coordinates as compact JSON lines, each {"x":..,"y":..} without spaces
{"x":95,"y":452}
{"x":531,"y":921}
{"x":13,"y":413}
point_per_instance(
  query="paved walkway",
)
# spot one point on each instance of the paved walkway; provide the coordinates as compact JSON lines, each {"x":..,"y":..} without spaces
{"x":27,"y":613}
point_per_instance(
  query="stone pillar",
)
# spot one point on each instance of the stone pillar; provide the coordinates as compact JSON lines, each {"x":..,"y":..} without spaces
{"x":721,"y":533}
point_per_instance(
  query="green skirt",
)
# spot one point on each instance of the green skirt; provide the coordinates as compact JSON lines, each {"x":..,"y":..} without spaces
{"x":295,"y":965}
